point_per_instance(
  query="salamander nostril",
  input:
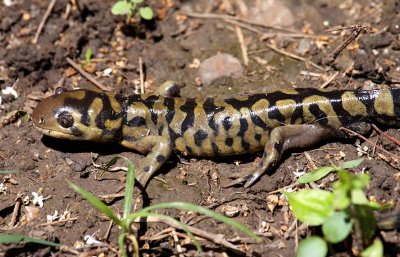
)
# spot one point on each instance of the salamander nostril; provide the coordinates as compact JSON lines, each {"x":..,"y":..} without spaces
{"x":59,"y":90}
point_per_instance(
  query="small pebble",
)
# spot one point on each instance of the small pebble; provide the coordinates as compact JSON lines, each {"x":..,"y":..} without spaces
{"x":219,"y":66}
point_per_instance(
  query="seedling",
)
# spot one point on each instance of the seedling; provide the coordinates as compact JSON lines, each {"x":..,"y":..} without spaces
{"x":340,"y":212}
{"x":16,"y":238}
{"x":128,"y":218}
{"x":88,"y":57}
{"x":128,"y":7}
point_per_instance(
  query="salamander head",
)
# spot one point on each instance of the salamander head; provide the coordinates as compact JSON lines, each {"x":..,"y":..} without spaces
{"x":78,"y":115}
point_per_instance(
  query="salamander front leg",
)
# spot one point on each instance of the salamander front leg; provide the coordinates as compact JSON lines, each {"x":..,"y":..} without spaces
{"x":159,"y":150}
{"x":169,"y":88}
{"x":282,"y":139}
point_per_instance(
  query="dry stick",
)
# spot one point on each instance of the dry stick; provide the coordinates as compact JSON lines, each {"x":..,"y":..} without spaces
{"x":331,"y":78}
{"x":249,"y":28}
{"x":227,"y":17}
{"x":269,"y":35}
{"x":234,"y":20}
{"x":15,"y":212}
{"x":141,"y":76}
{"x":215,"y":238}
{"x":164,"y":234}
{"x":58,"y":221}
{"x":43,"y":21}
{"x":279,"y":190}
{"x":158,"y":236}
{"x":351,"y":132}
{"x":243,"y":46}
{"x":296,"y":57}
{"x":108,"y":232}
{"x":394,"y":140}
{"x":86,"y":75}
{"x":296,"y":237}
{"x":356,"y":30}
{"x":291,"y":35}
{"x":112,"y":196}
{"x":177,"y":244}
{"x":313,"y":166}
{"x":290,"y":229}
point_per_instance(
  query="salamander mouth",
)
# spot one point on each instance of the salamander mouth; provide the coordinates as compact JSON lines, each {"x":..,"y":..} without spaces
{"x":56,"y":134}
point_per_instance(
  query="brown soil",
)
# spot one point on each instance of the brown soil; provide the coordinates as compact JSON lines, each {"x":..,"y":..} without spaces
{"x":168,"y":47}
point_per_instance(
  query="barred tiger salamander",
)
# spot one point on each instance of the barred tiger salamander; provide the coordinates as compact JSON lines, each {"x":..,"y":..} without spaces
{"x":158,"y":124}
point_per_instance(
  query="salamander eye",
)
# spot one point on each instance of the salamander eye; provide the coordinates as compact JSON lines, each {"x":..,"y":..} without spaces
{"x":65,"y":120}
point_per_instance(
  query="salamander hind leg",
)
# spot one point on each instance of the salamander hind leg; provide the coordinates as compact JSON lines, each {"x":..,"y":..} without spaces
{"x":159,"y":150}
{"x":282,"y":139}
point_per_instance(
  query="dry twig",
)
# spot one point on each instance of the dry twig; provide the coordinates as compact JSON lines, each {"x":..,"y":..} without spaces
{"x":296,"y":57}
{"x":215,"y":238}
{"x":43,"y":21}
{"x":356,"y":30}
{"x":17,"y":206}
{"x":141,"y":75}
{"x":243,"y":46}
{"x":331,"y":78}
{"x":227,"y":17}
{"x":351,"y":132}
{"x":86,"y":75}
{"x":394,"y":140}
{"x":58,"y":221}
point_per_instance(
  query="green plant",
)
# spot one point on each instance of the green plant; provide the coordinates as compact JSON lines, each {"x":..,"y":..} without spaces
{"x":128,"y":7}
{"x":340,"y":212}
{"x":127,"y":217}
{"x":88,"y":57}
{"x":16,"y":238}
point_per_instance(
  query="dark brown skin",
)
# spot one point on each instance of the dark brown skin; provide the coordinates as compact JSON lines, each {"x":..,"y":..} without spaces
{"x":157,"y":125}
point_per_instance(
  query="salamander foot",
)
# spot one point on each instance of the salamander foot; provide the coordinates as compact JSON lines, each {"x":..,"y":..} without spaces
{"x":248,"y":180}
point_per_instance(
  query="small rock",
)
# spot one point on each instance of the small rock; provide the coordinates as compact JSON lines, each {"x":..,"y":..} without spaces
{"x":219,"y":66}
{"x":273,"y":13}
{"x":375,"y":41}
{"x":31,"y":213}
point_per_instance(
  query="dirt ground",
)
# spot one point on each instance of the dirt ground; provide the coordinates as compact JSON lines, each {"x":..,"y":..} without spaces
{"x":170,"y":48}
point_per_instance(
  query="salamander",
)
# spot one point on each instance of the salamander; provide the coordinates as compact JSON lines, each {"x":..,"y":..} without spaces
{"x":162,"y":123}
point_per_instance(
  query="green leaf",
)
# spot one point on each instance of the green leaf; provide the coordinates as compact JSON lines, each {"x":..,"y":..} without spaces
{"x":341,"y":198}
{"x":360,"y":181}
{"x":312,"y":246}
{"x":15,"y":238}
{"x":358,"y":197}
{"x":129,"y":187}
{"x":146,"y":13}
{"x":374,"y":250}
{"x":137,"y":1}
{"x":121,"y":8}
{"x":111,"y":162}
{"x":337,"y":227}
{"x":122,"y":245}
{"x":366,"y":220}
{"x":311,"y":206}
{"x":341,"y":190}
{"x":7,"y":171}
{"x":315,"y":175}
{"x":351,"y":164}
{"x":88,"y":55}
{"x":98,"y":204}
